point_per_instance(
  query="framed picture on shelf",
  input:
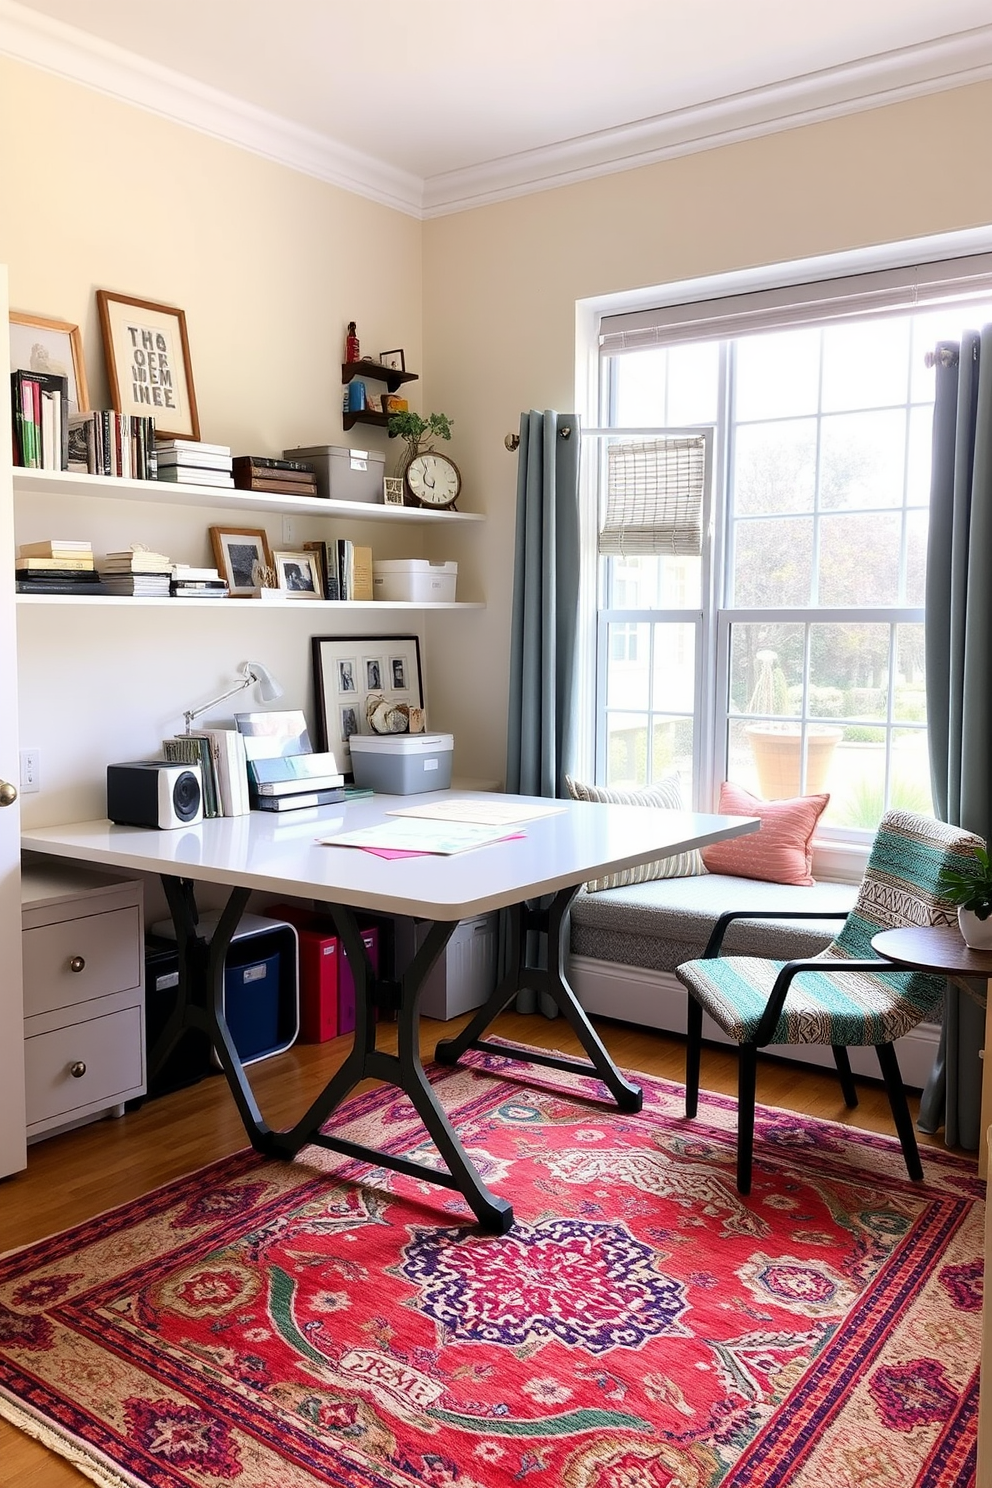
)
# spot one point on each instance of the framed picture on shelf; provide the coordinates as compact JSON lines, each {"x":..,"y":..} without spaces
{"x":394,"y":360}
{"x":365,"y":685}
{"x":298,"y":575}
{"x":148,"y":363}
{"x":243,"y":558}
{"x":40,"y":344}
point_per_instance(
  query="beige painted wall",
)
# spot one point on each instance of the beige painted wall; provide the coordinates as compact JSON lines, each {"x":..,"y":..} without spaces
{"x":501,"y":282}
{"x":269,"y":265}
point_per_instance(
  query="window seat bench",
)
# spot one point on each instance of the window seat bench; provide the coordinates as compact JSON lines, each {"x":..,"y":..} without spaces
{"x":627,"y":942}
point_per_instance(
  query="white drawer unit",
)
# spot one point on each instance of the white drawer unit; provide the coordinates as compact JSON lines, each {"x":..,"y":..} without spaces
{"x":84,"y":999}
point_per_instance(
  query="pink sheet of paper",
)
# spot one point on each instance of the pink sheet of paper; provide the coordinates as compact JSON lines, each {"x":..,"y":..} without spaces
{"x":411,"y":852}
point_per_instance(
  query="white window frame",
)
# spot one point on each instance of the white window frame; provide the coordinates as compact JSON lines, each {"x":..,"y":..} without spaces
{"x":906,"y":263}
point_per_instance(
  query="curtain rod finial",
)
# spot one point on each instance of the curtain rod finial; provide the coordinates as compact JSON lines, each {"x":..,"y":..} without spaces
{"x":512,"y":442}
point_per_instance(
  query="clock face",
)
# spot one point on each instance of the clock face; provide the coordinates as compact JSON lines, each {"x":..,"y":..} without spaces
{"x":433,"y":480}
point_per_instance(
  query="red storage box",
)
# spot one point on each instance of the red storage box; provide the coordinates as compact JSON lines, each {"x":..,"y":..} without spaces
{"x":327,"y":987}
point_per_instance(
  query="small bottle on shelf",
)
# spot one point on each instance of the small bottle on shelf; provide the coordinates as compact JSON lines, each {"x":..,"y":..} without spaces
{"x":351,"y":347}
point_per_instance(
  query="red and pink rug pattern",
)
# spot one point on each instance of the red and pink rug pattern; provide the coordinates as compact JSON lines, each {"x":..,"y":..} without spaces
{"x":273,"y":1325}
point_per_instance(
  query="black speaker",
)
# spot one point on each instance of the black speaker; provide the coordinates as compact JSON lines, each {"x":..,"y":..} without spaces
{"x":154,"y":793}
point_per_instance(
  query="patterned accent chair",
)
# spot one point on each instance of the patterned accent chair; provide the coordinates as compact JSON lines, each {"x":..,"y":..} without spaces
{"x":843,"y":996}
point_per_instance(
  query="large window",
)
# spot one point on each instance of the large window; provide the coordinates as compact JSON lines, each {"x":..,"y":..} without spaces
{"x":788,"y":655}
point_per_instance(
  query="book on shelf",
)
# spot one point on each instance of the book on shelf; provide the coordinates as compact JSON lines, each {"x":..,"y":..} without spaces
{"x":199,"y":446}
{"x":262,"y":463}
{"x":142,"y":586}
{"x":136,"y":560}
{"x":78,"y":584}
{"x":198,"y":589}
{"x":327,"y":560}
{"x":193,"y":458}
{"x":105,"y":442}
{"x":278,"y":485}
{"x":295,"y":787}
{"x":56,"y":547}
{"x":286,"y":775}
{"x":298,"y":802}
{"x":59,"y":564}
{"x":187,"y":572}
{"x":361,"y":573}
{"x":193,"y":475}
{"x":40,"y":407}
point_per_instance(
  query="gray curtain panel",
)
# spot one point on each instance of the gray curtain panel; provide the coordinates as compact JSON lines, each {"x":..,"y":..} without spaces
{"x":959,"y":680}
{"x":541,"y":725}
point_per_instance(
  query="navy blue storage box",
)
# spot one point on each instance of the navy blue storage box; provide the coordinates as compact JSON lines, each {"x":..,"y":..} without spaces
{"x":251,"y":1004}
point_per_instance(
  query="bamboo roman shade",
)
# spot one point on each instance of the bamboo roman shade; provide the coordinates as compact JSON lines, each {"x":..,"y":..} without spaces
{"x":654,"y":496}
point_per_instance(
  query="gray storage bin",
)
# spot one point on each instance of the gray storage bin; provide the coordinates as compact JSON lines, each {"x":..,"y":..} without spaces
{"x":402,"y":764}
{"x":344,"y":474}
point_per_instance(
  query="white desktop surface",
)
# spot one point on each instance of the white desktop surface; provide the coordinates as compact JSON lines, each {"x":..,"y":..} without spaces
{"x":278,"y":853}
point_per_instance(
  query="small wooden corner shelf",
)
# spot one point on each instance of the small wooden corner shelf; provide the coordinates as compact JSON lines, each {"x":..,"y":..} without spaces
{"x":391,"y":376}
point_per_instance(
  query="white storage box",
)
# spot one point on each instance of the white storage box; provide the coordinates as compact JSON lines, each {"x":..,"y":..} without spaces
{"x":414,"y":579}
{"x":464,"y":976}
{"x":344,"y":474}
{"x":402,"y":764}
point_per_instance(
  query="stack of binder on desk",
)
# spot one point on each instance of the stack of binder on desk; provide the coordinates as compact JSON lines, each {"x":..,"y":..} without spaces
{"x":288,"y":782}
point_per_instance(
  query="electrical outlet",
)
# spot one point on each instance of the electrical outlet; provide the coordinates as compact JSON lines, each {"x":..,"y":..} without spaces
{"x":30,"y":770}
{"x":288,"y":531}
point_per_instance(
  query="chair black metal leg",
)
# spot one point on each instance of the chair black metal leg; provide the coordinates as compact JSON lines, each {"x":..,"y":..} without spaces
{"x":747,"y":1077}
{"x":889,"y":1065}
{"x":693,"y":1046}
{"x":843,"y":1063}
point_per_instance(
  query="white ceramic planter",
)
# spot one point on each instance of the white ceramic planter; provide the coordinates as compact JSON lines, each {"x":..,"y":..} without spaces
{"x":977,"y":933}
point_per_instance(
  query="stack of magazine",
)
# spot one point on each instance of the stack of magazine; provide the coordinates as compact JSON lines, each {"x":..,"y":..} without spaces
{"x":284,"y":773}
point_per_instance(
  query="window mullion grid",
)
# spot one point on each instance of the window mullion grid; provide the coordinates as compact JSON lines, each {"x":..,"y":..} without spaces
{"x":814,"y":597}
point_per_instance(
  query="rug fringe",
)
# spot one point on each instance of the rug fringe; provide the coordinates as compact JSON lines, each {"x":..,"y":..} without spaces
{"x":103,"y":1474}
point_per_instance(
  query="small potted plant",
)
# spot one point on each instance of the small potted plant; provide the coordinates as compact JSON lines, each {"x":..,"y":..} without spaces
{"x":971,"y":890}
{"x":418,"y":434}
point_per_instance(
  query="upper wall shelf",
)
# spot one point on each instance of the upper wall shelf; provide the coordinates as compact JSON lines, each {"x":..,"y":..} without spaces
{"x":174,"y":493}
{"x":391,"y":376}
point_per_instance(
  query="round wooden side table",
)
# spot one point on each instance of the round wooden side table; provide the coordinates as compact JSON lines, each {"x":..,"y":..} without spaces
{"x":941,"y":949}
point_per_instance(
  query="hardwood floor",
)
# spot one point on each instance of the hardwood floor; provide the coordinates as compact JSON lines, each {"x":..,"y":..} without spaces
{"x":70,"y":1178}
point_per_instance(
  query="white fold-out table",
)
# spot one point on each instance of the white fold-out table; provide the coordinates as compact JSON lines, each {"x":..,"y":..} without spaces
{"x":534,"y":876}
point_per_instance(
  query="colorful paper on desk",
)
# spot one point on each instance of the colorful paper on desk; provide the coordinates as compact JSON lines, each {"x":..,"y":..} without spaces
{"x":490,"y":813}
{"x":420,"y":852}
{"x":418,"y":836}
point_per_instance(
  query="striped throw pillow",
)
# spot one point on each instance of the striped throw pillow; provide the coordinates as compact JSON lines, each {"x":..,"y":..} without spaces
{"x":666,"y":794}
{"x":782,"y":851}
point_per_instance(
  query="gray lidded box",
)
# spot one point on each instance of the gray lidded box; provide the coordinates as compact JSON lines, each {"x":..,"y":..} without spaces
{"x":402,"y":764}
{"x":344,"y":474}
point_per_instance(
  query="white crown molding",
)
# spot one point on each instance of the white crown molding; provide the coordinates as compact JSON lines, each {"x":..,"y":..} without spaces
{"x":42,"y":42}
{"x":889,"y":77}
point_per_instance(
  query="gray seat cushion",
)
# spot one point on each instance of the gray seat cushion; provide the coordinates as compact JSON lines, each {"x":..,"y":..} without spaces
{"x":659,"y":925}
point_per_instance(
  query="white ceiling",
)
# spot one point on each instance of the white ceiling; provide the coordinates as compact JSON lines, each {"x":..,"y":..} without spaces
{"x":438,"y":104}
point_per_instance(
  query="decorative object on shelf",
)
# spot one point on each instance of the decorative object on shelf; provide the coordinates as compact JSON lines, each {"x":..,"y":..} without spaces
{"x":148,"y":362}
{"x":385,"y":717}
{"x":433,"y":480}
{"x":352,"y":351}
{"x":393,"y":403}
{"x":971,"y":890}
{"x":347,"y":670}
{"x":356,"y":398}
{"x":418,"y":434}
{"x":394,"y":360}
{"x":253,"y":674}
{"x":392,"y":490}
{"x":298,"y":574}
{"x":264,"y":473}
{"x":40,"y":344}
{"x":237,"y":553}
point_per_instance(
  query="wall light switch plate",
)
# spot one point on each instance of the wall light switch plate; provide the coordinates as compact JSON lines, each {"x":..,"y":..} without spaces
{"x":30,"y":771}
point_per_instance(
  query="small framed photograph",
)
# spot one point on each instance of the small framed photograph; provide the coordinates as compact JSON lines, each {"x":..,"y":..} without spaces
{"x":298,"y":574}
{"x":360,"y":690}
{"x":148,"y":363}
{"x":392,"y":490}
{"x":40,"y":344}
{"x":394,"y":360}
{"x":243,"y":558}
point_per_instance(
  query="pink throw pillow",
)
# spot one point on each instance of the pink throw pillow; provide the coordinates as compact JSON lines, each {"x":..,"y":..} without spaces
{"x":781,"y":851}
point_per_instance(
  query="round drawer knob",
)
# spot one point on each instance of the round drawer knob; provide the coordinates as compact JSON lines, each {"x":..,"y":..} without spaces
{"x":76,"y":963}
{"x":77,"y":1070}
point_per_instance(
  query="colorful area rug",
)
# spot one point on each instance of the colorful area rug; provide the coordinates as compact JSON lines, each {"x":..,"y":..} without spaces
{"x":641,"y":1326}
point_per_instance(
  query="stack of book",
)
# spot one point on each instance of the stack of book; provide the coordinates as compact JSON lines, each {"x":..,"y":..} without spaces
{"x":57,"y":566}
{"x":220,"y":753}
{"x":108,"y":443}
{"x":196,"y":583}
{"x":291,"y":781}
{"x":136,"y":571}
{"x":345,"y":568}
{"x":40,"y":403}
{"x":194,"y":463}
{"x":260,"y":473}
